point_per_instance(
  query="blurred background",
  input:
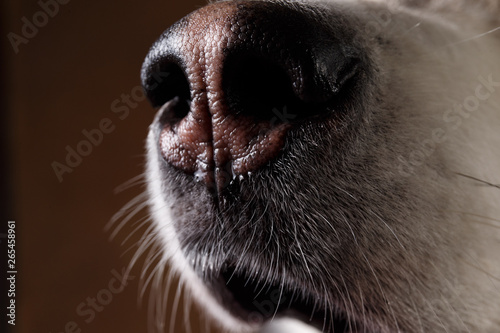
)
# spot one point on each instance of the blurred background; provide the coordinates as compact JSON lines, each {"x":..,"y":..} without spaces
{"x":70,"y":69}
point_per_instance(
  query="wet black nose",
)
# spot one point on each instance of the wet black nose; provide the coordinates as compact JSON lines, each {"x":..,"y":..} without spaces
{"x":234,"y":77}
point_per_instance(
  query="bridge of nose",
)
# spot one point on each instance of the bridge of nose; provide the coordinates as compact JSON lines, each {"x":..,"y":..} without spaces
{"x":211,"y":138}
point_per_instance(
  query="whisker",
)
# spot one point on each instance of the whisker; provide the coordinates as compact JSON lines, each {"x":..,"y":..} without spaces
{"x":187,"y":308}
{"x":474,"y":37}
{"x":282,"y":286}
{"x":139,"y":202}
{"x":165,"y":297}
{"x":149,"y":238}
{"x":152,"y":274}
{"x":175,"y":305}
{"x":157,"y":286}
{"x":480,"y":216}
{"x":478,"y":180}
{"x":486,"y":224}
{"x":137,"y":245}
{"x":493,"y":225}
{"x":413,"y":27}
{"x":132,"y":182}
{"x":141,"y":223}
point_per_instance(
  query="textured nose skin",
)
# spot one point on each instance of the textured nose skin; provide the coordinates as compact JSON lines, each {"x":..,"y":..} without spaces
{"x":234,"y":77}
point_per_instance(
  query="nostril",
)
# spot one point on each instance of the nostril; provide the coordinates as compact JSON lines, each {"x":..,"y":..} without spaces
{"x":263,"y":89}
{"x":165,"y":81}
{"x":254,"y":87}
{"x":174,"y":111}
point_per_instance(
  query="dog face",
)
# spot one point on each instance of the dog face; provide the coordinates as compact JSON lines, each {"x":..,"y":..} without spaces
{"x":331,"y":162}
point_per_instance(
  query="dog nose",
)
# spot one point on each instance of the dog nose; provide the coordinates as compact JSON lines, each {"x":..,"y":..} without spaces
{"x":234,"y":78}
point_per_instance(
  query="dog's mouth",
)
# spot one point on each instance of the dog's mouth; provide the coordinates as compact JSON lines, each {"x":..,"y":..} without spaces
{"x":258,"y":301}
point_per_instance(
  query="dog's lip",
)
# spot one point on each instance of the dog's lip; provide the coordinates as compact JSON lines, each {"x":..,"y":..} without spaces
{"x":266,"y":303}
{"x":255,"y":307}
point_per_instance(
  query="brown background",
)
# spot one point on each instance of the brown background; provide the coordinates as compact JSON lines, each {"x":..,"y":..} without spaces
{"x":62,"y":82}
